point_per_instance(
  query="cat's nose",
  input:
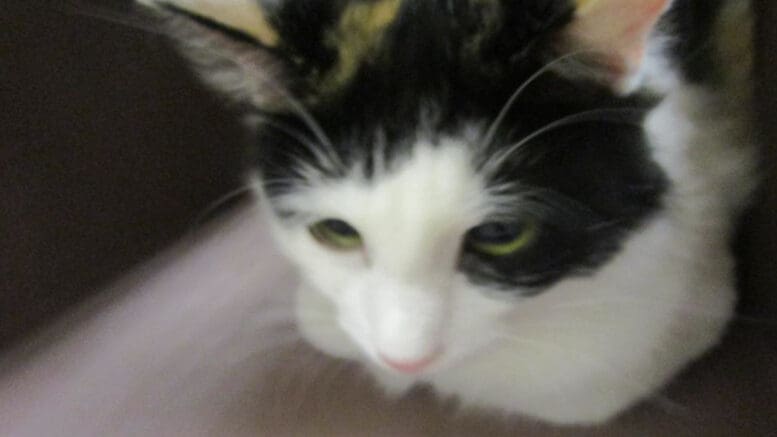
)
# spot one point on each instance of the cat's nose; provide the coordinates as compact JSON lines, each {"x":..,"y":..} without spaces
{"x":410,"y":367}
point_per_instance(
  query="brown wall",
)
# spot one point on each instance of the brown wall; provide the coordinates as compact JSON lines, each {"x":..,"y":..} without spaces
{"x":109,"y":149}
{"x":760,"y":234}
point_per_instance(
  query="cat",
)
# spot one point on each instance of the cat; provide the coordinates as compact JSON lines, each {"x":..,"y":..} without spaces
{"x":526,"y":205}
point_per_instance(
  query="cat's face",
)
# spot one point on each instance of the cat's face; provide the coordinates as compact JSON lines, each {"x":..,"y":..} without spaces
{"x":413,"y":193}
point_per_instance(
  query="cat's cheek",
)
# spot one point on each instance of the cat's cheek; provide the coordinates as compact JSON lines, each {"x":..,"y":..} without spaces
{"x":485,"y":316}
{"x":327,"y":271}
{"x":317,"y":321}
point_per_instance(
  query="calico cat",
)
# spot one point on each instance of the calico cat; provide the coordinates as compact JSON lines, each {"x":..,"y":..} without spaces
{"x":526,"y":204}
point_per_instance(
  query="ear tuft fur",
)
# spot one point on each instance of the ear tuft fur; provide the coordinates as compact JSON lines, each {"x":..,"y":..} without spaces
{"x":229,"y":44}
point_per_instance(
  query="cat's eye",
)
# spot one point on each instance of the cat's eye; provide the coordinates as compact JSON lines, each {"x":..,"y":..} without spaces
{"x":336,"y":234}
{"x":502,"y":238}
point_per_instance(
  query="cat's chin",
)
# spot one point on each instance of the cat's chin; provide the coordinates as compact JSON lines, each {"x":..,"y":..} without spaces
{"x":392,"y":385}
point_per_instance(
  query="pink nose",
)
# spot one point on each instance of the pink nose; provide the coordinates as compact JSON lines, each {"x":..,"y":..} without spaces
{"x":409,"y":366}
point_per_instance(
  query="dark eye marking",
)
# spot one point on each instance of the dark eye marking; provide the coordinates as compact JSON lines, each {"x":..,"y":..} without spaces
{"x":499,"y":239}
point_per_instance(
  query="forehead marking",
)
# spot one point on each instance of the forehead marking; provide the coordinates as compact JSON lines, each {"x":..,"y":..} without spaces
{"x":584,"y":6}
{"x":358,"y":35}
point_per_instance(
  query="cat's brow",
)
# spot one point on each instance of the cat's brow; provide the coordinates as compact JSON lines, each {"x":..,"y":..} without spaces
{"x":626,"y":115}
{"x":490,"y":134}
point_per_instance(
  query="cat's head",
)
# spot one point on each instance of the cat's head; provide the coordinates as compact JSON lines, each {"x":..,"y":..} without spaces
{"x":432,"y":164}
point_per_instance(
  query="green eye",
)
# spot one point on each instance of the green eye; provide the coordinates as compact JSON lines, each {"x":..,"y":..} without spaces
{"x":502,"y":239}
{"x":336,"y":234}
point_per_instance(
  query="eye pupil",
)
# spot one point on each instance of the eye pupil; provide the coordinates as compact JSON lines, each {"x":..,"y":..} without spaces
{"x":499,"y":239}
{"x":497,"y":232}
{"x":340,"y":227}
{"x":336,"y":234}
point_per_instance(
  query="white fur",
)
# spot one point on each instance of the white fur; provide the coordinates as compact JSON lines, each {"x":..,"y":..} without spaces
{"x":582,"y":351}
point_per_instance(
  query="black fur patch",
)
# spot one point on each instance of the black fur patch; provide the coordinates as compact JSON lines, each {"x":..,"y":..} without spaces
{"x":591,"y":182}
{"x":693,"y":21}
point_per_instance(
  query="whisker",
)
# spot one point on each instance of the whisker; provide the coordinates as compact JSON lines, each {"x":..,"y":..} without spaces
{"x":246,"y":59}
{"x":302,"y":174}
{"x":607,"y":115}
{"x":279,"y":184}
{"x":327,"y":156}
{"x":211,"y":208}
{"x":488,"y":138}
{"x":107,"y":15}
{"x":302,"y":112}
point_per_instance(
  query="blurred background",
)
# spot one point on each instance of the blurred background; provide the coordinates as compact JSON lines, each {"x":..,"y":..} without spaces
{"x":110,"y":150}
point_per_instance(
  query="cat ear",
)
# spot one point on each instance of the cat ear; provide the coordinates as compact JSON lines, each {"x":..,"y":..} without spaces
{"x":616,"y":33}
{"x":229,"y":43}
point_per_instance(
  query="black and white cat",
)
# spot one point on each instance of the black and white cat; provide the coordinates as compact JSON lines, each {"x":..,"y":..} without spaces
{"x":527,"y":204}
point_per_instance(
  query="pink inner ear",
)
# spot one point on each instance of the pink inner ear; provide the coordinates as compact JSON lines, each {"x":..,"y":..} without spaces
{"x":617,"y":30}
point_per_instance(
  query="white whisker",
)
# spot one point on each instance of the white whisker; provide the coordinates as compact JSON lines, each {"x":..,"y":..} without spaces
{"x":323,"y":153}
{"x":230,"y":195}
{"x":108,"y":15}
{"x":488,"y":138}
{"x":610,"y":115}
